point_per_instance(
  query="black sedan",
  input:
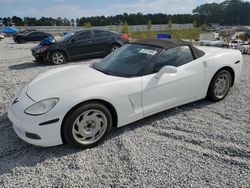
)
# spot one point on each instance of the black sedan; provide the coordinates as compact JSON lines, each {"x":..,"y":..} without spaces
{"x":30,"y":36}
{"x":79,"y":45}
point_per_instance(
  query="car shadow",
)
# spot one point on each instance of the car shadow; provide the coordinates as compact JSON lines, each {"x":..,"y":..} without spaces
{"x":28,"y":65}
{"x":26,"y":155}
{"x":159,"y":116}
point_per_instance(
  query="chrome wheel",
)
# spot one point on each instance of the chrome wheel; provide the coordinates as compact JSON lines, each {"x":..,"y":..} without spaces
{"x":222,"y":85}
{"x":58,"y":58}
{"x":89,"y":127}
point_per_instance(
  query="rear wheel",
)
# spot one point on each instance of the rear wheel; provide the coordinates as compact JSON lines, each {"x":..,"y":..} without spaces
{"x":115,"y":47}
{"x":57,"y":58}
{"x":87,"y":125}
{"x":220,"y":86}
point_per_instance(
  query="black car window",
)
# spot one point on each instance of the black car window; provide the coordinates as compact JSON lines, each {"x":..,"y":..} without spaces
{"x":109,"y":34}
{"x":99,"y":34}
{"x":36,"y":33}
{"x":31,"y":34}
{"x":128,"y":61}
{"x":174,"y":57}
{"x":86,"y":35}
{"x":66,"y":37}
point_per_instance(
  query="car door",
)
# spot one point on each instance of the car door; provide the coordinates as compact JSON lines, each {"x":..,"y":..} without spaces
{"x":170,"y":90}
{"x":30,"y":36}
{"x":101,"y":42}
{"x":81,"y":45}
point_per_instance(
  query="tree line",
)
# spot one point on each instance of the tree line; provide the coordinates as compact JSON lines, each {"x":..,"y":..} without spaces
{"x":229,"y":12}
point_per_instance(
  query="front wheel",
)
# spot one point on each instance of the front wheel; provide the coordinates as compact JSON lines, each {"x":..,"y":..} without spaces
{"x":57,"y":58}
{"x":87,"y":125}
{"x":21,"y":41}
{"x":220,"y":86}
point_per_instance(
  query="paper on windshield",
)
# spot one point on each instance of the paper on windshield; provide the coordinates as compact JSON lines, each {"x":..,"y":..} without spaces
{"x":148,"y":51}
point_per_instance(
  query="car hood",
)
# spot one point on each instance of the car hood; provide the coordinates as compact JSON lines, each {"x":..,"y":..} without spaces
{"x":60,"y":81}
{"x":36,"y":48}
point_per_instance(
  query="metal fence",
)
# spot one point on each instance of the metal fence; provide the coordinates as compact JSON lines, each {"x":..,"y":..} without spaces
{"x":118,"y":28}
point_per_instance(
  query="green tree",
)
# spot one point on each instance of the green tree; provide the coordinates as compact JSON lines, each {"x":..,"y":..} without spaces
{"x":195,"y":24}
{"x":170,"y":24}
{"x":125,"y":28}
{"x":149,"y":25}
{"x":17,"y":21}
{"x":87,"y":25}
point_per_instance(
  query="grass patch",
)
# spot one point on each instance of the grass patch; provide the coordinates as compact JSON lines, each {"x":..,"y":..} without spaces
{"x":176,"y":34}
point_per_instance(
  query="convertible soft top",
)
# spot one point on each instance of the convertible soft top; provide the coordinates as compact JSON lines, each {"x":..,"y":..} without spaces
{"x":167,"y":44}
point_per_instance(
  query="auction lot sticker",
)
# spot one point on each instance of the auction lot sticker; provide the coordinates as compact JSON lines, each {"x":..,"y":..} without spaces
{"x":148,"y":51}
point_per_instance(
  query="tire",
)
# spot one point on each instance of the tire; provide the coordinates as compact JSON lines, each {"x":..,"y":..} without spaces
{"x":57,"y":58}
{"x":115,"y":47}
{"x":21,"y":41}
{"x":96,"y":122}
{"x":220,"y":86}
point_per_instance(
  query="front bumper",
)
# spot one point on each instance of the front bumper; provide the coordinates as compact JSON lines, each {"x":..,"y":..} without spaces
{"x":27,"y":127}
{"x":41,"y":57}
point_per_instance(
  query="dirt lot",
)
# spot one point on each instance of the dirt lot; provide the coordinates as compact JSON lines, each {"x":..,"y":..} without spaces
{"x":202,"y":144}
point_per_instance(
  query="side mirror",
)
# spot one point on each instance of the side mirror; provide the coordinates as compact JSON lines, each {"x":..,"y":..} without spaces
{"x":166,"y":70}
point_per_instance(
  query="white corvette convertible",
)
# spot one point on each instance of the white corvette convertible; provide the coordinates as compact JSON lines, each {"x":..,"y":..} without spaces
{"x":79,"y":104}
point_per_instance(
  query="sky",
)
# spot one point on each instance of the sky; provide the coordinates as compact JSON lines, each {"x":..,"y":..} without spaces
{"x":84,"y":8}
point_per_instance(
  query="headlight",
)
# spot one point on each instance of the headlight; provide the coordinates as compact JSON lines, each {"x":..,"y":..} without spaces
{"x":41,"y":107}
{"x":43,"y":49}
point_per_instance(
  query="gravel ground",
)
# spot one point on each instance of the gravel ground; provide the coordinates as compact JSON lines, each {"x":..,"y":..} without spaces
{"x":202,"y":144}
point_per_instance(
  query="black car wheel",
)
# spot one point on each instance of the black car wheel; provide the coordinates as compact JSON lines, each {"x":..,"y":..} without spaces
{"x":220,"y":86}
{"x":21,"y":41}
{"x":87,"y":125}
{"x":115,"y":47}
{"x":57,"y":58}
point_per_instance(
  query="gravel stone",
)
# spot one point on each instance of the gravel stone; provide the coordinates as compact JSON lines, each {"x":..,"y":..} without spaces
{"x":202,"y":144}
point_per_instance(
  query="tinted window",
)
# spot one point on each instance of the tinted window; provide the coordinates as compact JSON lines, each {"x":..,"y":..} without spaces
{"x":174,"y":57}
{"x":36,"y":33}
{"x":83,"y":36}
{"x":129,"y":60}
{"x":109,"y":34}
{"x":66,"y":37}
{"x":99,"y":34}
{"x":31,"y":34}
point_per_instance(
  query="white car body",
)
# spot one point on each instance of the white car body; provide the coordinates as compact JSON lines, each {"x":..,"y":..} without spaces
{"x":132,"y":98}
{"x":235,"y":43}
{"x":215,"y":43}
{"x":245,"y":48}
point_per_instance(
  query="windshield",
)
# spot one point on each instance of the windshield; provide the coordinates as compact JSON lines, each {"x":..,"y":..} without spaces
{"x":66,"y":37}
{"x":127,"y":61}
